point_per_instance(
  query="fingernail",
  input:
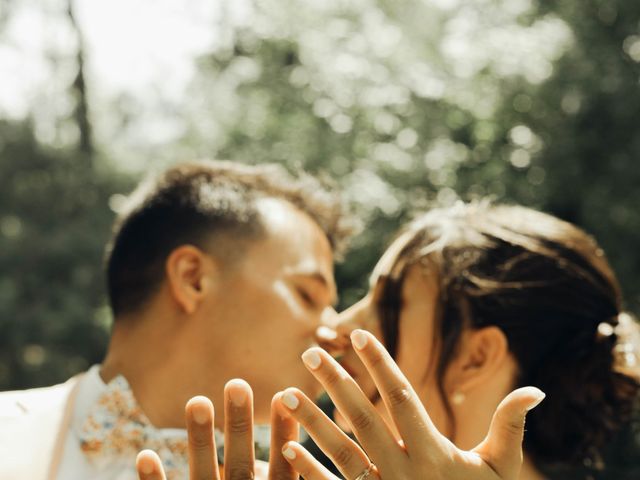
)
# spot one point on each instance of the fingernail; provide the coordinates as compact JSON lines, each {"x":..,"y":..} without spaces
{"x":290,"y":400}
{"x":146,"y":467}
{"x":201,"y":413}
{"x":283,"y":413}
{"x":311,"y":359}
{"x":359,"y":339}
{"x":237,"y":393}
{"x":145,"y":463}
{"x":326,"y":333}
{"x":289,"y":453}
{"x":539,"y":397}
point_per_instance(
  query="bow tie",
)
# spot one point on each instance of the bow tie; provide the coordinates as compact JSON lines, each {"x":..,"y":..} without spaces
{"x":116,"y":429}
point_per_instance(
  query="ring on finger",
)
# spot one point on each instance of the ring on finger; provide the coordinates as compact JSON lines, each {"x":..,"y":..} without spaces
{"x":365,"y":473}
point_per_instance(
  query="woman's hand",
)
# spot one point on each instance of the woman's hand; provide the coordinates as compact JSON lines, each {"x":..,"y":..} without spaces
{"x":423,"y":451}
{"x":239,"y":455}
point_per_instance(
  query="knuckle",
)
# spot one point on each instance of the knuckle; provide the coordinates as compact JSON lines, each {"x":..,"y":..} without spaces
{"x":200,"y":441}
{"x":399,"y":396}
{"x":198,"y":476}
{"x":240,"y":470}
{"x":508,"y":424}
{"x":309,"y":419}
{"x":362,"y":420}
{"x":305,"y":469}
{"x":342,"y":455}
{"x":331,"y":378}
{"x":280,"y":475}
{"x":240,"y":425}
{"x":376,"y":359}
{"x":513,"y":427}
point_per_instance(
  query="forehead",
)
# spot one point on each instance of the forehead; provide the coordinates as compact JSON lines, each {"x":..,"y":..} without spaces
{"x":293,"y":243}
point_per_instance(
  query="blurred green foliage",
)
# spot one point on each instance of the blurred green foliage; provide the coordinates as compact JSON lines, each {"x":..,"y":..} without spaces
{"x":405,"y":104}
{"x":54,"y":222}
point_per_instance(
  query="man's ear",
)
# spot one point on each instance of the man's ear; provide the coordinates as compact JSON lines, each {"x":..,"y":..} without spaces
{"x":482,"y":353}
{"x":189,"y":272}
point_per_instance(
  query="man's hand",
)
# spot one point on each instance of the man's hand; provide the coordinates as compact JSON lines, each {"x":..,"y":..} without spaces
{"x":239,"y":455}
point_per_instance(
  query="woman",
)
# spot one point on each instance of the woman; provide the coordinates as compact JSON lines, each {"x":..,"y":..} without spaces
{"x":476,"y":300}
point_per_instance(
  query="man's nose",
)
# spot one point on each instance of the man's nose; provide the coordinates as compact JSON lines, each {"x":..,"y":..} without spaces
{"x":327,"y":334}
{"x":329,"y":318}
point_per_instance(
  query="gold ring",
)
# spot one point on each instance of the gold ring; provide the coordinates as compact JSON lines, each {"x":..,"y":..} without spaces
{"x":366,"y":473}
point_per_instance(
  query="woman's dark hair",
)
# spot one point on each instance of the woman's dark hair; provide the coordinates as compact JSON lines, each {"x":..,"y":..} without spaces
{"x":548,"y":286}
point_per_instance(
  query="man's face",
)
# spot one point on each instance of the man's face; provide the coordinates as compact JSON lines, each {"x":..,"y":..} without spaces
{"x":272,"y":301}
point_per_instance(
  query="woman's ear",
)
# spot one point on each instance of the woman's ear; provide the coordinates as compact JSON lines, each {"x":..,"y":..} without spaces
{"x":482,"y":353}
{"x":189,"y":276}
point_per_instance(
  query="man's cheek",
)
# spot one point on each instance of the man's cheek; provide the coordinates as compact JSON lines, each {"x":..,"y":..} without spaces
{"x":285,"y":294}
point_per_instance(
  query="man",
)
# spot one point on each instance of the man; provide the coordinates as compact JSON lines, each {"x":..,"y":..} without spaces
{"x":215,"y":271}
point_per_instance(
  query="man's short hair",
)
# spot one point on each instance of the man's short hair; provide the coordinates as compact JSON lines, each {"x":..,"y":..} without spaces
{"x":211,"y":205}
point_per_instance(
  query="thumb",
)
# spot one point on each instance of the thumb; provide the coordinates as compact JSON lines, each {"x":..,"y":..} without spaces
{"x":502,"y":448}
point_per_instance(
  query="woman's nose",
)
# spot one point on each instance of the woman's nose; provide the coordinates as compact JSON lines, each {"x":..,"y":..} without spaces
{"x":350,"y":319}
{"x":334,"y":332}
{"x":326,"y":334}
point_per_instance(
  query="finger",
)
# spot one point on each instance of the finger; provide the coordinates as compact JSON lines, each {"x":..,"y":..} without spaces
{"x":203,"y":458}
{"x":284,"y":428}
{"x":149,"y":466}
{"x":305,"y":464}
{"x":343,"y":452}
{"x":502,"y":448}
{"x":239,"y":453}
{"x":367,"y":425}
{"x":409,"y":415}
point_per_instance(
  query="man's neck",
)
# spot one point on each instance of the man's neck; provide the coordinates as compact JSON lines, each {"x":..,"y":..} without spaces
{"x":162,"y":376}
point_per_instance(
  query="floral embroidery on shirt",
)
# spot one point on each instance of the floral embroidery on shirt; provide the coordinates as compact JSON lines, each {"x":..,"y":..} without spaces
{"x":116,"y":429}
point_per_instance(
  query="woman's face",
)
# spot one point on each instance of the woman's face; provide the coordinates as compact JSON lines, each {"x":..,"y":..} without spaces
{"x":417,"y":351}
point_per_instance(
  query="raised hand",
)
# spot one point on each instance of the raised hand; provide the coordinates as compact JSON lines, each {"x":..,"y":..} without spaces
{"x":239,"y":455}
{"x":422,"y":452}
